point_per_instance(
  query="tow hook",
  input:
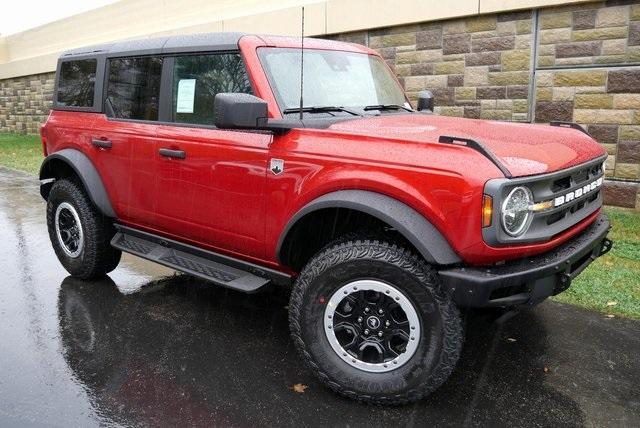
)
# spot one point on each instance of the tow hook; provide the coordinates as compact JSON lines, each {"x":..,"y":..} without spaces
{"x":606,"y":246}
{"x":564,"y":281}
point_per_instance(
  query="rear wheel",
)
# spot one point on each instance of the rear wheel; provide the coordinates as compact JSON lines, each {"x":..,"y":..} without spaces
{"x":80,"y":235}
{"x":372,"y":322}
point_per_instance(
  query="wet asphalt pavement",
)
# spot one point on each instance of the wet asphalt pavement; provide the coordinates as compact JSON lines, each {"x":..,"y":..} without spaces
{"x":145,"y":347}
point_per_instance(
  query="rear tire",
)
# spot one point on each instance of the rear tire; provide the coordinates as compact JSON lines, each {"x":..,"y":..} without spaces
{"x":80,"y":235}
{"x":366,"y":359}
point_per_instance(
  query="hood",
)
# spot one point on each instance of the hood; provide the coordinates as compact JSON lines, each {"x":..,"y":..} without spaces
{"x":524,"y":149}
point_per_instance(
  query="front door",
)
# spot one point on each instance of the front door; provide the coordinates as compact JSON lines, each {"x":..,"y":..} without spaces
{"x":211,"y":182}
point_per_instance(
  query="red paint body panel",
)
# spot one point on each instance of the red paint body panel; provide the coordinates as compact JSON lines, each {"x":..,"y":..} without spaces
{"x":523,"y":148}
{"x":217,"y":194}
{"x":223,"y":197}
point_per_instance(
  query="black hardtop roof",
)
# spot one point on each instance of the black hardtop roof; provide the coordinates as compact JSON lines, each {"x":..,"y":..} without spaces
{"x":200,"y":42}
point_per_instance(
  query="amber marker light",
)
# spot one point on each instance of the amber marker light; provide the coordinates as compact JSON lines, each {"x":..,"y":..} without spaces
{"x":487,"y":210}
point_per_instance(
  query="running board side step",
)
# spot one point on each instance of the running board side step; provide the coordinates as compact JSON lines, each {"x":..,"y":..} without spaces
{"x":217,"y":268}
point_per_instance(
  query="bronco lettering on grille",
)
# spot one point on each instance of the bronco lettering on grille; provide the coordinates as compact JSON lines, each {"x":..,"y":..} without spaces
{"x":578,"y":193}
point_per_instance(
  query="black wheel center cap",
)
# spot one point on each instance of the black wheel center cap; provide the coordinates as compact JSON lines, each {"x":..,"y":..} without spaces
{"x":373,"y":322}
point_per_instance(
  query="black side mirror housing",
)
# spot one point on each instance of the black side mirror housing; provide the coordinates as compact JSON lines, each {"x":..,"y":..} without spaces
{"x":237,"y":110}
{"x":425,"y":101}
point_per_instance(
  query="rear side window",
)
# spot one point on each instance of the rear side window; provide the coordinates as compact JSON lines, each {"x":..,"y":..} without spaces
{"x":198,"y":78}
{"x":76,"y":83}
{"x":133,"y":88}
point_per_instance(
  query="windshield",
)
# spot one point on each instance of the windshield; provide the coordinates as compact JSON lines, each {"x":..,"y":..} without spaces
{"x":331,"y":78}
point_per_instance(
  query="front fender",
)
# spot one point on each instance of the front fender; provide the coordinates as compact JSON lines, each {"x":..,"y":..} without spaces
{"x":82,"y":166}
{"x":408,"y":222}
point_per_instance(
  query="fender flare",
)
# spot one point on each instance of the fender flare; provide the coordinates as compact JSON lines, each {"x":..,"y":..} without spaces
{"x":85,"y":170}
{"x":427,"y":239}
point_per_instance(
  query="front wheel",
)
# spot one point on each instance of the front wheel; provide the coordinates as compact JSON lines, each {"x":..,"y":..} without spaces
{"x":372,"y":322}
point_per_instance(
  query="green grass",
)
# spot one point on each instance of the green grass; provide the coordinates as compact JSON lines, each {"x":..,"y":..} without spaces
{"x":610,"y":285}
{"x":23,"y":152}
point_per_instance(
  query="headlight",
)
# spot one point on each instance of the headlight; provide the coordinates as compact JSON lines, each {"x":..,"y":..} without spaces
{"x":516,"y":213}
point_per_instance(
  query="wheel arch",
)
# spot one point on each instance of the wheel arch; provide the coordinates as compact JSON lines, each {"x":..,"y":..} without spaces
{"x":409,"y":223}
{"x":72,"y":162}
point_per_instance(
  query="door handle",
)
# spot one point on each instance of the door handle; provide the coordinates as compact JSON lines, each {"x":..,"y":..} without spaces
{"x":103,"y":144}
{"x":177,"y":154}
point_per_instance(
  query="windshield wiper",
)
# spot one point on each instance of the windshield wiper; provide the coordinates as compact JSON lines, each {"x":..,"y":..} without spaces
{"x":386,"y":107}
{"x":319,"y":109}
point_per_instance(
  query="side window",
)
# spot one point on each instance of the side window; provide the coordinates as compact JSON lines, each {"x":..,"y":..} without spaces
{"x":133,"y":89}
{"x":76,"y":83}
{"x":198,"y":78}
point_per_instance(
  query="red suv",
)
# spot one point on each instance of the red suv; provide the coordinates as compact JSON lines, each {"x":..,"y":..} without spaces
{"x":205,"y":153}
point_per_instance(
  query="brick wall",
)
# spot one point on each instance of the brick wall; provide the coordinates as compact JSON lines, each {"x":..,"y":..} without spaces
{"x":25,"y":102}
{"x":577,"y":63}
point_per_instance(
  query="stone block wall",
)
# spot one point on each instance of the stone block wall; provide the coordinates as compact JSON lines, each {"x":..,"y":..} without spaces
{"x":476,"y":68}
{"x":590,"y":34}
{"x":576,"y":63}
{"x":588,"y":71}
{"x":25,"y":102}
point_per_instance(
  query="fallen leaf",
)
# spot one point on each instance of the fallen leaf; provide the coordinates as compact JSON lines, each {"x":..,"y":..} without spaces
{"x":546,"y":369}
{"x":511,"y":339}
{"x":612,"y":303}
{"x":299,"y":388}
{"x":610,"y":316}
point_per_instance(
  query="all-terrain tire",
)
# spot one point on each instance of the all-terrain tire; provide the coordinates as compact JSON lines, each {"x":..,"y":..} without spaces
{"x":441,"y":331}
{"x":97,"y":256}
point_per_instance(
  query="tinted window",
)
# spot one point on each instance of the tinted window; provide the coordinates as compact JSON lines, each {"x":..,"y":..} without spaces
{"x":76,"y":84}
{"x":133,"y":91}
{"x":198,"y":78}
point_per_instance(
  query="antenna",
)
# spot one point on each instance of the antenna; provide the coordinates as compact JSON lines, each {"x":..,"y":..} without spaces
{"x":302,"y":65}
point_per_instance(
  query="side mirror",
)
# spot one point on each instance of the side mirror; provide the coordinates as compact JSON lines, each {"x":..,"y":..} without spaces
{"x":237,"y":110}
{"x":425,"y":100}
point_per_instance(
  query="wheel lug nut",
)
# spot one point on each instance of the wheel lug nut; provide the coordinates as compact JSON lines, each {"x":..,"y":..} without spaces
{"x":359,"y":319}
{"x":387,"y":323}
{"x":380,"y":311}
{"x":366,"y":331}
{"x":379,"y":334}
{"x":366,"y":310}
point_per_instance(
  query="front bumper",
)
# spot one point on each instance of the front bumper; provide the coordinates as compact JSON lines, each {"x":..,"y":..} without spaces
{"x":528,"y":281}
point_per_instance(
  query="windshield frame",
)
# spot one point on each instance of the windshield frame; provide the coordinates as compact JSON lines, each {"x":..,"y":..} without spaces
{"x":280,"y":101}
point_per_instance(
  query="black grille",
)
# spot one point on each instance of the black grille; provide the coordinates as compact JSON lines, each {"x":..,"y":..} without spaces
{"x":572,"y":212}
{"x":548,"y":223}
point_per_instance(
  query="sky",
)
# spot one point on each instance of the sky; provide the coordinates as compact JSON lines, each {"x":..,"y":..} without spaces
{"x":20,"y":15}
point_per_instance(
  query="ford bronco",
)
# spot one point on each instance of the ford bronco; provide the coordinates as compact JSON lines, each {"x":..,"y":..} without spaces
{"x":206,"y":154}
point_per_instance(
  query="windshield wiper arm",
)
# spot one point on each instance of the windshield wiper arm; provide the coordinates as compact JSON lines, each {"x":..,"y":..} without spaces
{"x":319,"y":109}
{"x":387,"y":107}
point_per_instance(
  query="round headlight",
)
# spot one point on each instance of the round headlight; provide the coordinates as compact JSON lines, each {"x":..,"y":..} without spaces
{"x":516,"y":214}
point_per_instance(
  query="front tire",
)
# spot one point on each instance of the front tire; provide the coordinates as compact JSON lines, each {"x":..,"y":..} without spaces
{"x":80,"y":235}
{"x":371,"y":320}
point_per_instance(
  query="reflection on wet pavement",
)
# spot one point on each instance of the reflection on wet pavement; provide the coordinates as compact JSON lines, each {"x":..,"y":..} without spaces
{"x":146,"y":347}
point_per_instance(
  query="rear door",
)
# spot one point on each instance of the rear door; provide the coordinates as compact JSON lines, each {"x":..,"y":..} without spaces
{"x":125,"y":136}
{"x":211,"y":182}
